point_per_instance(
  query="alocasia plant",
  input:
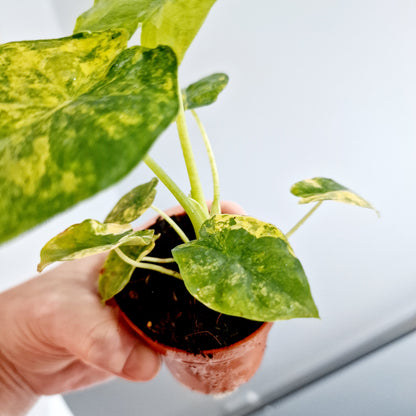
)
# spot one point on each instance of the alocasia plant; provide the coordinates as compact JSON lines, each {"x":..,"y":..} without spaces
{"x":78,"y":113}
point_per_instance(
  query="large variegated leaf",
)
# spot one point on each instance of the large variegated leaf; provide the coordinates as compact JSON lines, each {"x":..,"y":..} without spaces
{"x":204,"y":92}
{"x":133,"y":204}
{"x":115,"y":14}
{"x":91,"y":237}
{"x":175,"y":24}
{"x":116,"y":273}
{"x":324,"y":189}
{"x":164,"y":22}
{"x":70,"y":126}
{"x":244,"y":267}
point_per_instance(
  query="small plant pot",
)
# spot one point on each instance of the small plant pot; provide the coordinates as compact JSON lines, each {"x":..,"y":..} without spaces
{"x":212,"y":370}
{"x":216,"y":371}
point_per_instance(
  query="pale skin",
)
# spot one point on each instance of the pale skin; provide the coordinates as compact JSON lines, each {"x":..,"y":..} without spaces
{"x":57,"y":336}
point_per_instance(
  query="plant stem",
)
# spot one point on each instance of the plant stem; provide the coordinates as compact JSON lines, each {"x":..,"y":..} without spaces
{"x":303,"y":219}
{"x":196,"y":187}
{"x":216,"y":205}
{"x":172,"y":223}
{"x":158,"y":260}
{"x":196,"y":215}
{"x":148,"y":266}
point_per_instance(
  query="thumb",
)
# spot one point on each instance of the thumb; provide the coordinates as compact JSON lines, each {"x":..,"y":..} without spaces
{"x":113,"y":348}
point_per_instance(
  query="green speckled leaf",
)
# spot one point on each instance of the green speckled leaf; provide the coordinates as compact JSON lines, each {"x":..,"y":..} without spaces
{"x":324,"y":189}
{"x":175,"y":24}
{"x":116,"y":273}
{"x":205,"y":91}
{"x":71,"y":124}
{"x":91,"y":237}
{"x":133,"y":204}
{"x":115,"y":14}
{"x":244,"y":267}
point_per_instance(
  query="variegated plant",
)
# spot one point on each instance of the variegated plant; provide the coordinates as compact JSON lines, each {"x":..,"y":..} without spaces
{"x":78,"y":113}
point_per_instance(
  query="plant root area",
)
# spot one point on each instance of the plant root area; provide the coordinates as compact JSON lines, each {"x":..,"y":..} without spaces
{"x":161,"y":306}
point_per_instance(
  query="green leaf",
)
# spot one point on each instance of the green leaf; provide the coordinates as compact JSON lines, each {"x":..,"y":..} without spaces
{"x":204,"y":92}
{"x":324,"y":189}
{"x":91,"y":237}
{"x":132,"y":205}
{"x":116,"y":273}
{"x":116,"y":14}
{"x":175,"y":24}
{"x":70,"y":125}
{"x":244,"y":267}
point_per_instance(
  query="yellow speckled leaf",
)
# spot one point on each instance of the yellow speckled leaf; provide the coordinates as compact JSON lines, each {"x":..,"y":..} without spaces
{"x":76,"y":115}
{"x":133,"y":204}
{"x":244,"y":267}
{"x":115,"y":14}
{"x":175,"y":24}
{"x":325,"y":189}
{"x":205,"y":91}
{"x":116,"y":273}
{"x":91,"y":237}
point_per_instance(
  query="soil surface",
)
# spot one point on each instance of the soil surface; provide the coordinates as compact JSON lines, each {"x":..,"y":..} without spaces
{"x":162,"y":307}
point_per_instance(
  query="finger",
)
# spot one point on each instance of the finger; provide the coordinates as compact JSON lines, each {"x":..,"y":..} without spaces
{"x":229,"y":207}
{"x":95,"y":334}
{"x":75,"y":375}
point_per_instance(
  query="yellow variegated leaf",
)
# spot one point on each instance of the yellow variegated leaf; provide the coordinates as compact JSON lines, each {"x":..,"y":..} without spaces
{"x":175,"y":24}
{"x":325,"y":189}
{"x":116,"y":14}
{"x":244,"y":267}
{"x":133,"y":204}
{"x":91,"y":237}
{"x":204,"y":92}
{"x":116,"y":273}
{"x":74,"y":120}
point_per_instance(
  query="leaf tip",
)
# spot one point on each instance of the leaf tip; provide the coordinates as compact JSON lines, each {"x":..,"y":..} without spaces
{"x":41,"y":266}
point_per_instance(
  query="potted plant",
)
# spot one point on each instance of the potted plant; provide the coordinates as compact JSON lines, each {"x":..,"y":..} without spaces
{"x":83,"y":111}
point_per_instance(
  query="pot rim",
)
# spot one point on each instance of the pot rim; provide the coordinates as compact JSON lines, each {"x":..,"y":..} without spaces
{"x":163,"y":347}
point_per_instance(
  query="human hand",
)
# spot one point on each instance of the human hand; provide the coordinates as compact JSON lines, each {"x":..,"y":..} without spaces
{"x":56,"y":336}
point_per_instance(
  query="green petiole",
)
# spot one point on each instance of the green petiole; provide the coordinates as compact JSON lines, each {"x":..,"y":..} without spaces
{"x":196,"y":214}
{"x":216,"y":205}
{"x":158,"y":260}
{"x":196,"y":188}
{"x":303,"y":219}
{"x":147,"y":266}
{"x":172,"y":223}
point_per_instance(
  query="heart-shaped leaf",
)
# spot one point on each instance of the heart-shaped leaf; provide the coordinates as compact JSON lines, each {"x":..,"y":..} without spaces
{"x":116,"y":14}
{"x":132,"y":205}
{"x":204,"y":92}
{"x":116,"y":273}
{"x":244,"y":267}
{"x":70,"y":126}
{"x":175,"y":24}
{"x":91,"y":237}
{"x":324,"y":189}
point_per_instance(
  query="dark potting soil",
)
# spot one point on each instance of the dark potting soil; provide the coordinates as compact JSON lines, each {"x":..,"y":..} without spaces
{"x":162,"y":307}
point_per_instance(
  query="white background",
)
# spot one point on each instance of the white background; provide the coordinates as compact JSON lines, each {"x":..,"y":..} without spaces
{"x":317,"y":88}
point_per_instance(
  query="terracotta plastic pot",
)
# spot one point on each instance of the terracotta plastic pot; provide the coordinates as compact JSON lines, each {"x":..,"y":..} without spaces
{"x":215,"y":371}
